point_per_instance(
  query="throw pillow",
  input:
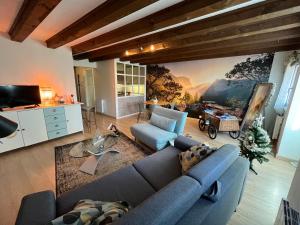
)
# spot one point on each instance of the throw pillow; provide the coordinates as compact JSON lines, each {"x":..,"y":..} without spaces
{"x":193,"y":156}
{"x":93,"y":212}
{"x":163,"y":122}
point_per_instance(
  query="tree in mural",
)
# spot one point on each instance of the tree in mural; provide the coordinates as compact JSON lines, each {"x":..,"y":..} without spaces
{"x":161,"y":84}
{"x":257,"y":69}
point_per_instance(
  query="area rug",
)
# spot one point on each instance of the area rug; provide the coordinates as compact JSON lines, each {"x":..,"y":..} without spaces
{"x":68,"y":175}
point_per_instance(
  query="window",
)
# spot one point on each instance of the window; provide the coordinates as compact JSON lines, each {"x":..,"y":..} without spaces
{"x":286,"y":89}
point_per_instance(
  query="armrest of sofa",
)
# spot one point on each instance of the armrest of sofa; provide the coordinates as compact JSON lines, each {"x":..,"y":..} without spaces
{"x":37,"y":209}
{"x":166,"y":206}
{"x":210,"y":169}
{"x":184,"y":143}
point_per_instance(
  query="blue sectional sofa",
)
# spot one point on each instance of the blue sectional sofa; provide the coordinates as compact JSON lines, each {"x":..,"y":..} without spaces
{"x":156,"y":137}
{"x":156,"y":189}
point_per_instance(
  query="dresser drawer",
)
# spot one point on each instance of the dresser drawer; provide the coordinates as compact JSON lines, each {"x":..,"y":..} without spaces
{"x":57,"y":133}
{"x":55,"y":118}
{"x":54,"y":111}
{"x":56,"y":126}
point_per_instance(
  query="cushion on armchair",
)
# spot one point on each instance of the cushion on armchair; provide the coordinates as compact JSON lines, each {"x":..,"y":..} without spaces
{"x":152,"y":136}
{"x":163,"y":122}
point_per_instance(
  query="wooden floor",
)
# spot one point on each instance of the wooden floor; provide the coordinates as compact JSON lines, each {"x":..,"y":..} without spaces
{"x":32,"y":169}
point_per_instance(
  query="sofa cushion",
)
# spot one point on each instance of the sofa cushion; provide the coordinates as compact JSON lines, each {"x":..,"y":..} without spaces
{"x":152,"y":136}
{"x":218,"y":213}
{"x":166,"y":206}
{"x":211,"y":168}
{"x":184,"y":143}
{"x":160,"y":168}
{"x":37,"y":208}
{"x":163,"y":122}
{"x":180,"y":117}
{"x":194,"y":155}
{"x":123,"y":185}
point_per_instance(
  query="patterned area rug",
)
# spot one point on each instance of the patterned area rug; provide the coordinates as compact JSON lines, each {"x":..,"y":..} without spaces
{"x":68,"y":175}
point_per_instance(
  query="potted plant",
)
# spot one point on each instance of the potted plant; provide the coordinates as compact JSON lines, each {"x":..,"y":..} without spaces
{"x":255,"y":143}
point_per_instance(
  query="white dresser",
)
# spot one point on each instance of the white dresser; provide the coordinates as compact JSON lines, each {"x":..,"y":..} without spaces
{"x":41,"y":124}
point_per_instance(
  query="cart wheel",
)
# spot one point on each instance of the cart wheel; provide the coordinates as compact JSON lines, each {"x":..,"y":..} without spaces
{"x":212,"y":131}
{"x":201,"y":124}
{"x":234,"y":134}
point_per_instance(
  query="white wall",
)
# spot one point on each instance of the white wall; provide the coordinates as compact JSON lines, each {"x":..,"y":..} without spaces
{"x":289,"y":141}
{"x":105,"y":87}
{"x":32,"y":63}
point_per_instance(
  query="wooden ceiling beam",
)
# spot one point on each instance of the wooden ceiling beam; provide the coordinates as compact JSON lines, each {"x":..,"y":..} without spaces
{"x":30,"y":15}
{"x":254,"y":14}
{"x":172,"y":15}
{"x":104,"y":14}
{"x":231,"y":54}
{"x":223,"y":55}
{"x":286,"y":25}
{"x":204,"y":54}
{"x":235,"y":42}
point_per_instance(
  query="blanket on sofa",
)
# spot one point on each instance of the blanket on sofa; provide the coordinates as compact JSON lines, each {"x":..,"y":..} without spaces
{"x":88,"y":212}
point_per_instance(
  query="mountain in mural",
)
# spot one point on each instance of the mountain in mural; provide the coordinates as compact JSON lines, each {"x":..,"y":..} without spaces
{"x":187,"y":86}
{"x":232,"y":93}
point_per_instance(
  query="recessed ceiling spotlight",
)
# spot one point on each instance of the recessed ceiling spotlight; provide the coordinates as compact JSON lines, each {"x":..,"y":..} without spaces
{"x":141,"y":48}
{"x":126,"y":52}
{"x":152,"y":48}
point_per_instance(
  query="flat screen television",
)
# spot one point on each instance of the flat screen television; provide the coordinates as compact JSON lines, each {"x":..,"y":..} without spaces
{"x":19,"y":95}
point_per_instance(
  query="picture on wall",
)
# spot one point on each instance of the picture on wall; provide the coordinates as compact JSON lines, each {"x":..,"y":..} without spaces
{"x":259,"y":98}
{"x":225,"y":83}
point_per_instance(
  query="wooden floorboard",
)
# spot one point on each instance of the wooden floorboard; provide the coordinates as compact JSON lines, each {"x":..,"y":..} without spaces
{"x":32,"y":169}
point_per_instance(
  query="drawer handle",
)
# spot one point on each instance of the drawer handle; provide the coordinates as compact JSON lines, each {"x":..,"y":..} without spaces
{"x":56,"y":125}
{"x":57,"y":132}
{"x":55,"y":118}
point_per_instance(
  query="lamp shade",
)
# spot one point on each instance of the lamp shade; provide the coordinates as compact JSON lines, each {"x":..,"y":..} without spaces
{"x":7,"y":127}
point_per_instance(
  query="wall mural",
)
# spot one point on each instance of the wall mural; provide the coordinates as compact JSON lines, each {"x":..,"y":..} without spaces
{"x":226,"y":83}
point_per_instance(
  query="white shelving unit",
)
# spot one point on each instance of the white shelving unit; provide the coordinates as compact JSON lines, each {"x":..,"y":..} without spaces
{"x":120,"y":87}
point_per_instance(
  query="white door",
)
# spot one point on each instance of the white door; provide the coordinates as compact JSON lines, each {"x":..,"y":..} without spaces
{"x":33,"y":126}
{"x":74,"y":118}
{"x":15,"y":140}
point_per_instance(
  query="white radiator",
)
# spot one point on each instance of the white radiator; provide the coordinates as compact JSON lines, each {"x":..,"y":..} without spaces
{"x":287,"y":215}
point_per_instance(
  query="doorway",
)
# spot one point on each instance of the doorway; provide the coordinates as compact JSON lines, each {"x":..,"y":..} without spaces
{"x":85,"y":85}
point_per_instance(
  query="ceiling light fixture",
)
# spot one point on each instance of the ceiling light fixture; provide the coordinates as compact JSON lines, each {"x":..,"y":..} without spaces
{"x":152,"y":48}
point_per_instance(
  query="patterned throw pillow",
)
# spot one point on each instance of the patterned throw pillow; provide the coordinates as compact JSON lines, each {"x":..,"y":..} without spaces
{"x":194,"y":155}
{"x":88,"y":212}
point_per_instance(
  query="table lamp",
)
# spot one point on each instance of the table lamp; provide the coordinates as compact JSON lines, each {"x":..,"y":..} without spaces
{"x":7,"y":127}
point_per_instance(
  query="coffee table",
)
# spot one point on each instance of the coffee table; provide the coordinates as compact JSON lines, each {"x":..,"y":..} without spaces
{"x":96,"y":149}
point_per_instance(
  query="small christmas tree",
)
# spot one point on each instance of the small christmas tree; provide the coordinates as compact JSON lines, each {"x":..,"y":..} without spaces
{"x":255,"y":143}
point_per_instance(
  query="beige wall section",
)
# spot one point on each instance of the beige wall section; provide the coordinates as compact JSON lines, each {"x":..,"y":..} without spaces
{"x":105,"y":87}
{"x":32,"y":63}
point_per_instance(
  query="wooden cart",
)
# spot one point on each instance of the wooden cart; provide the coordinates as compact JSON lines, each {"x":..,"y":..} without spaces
{"x":217,"y":124}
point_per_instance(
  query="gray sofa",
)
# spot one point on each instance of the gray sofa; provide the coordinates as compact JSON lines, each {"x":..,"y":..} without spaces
{"x":154,"y":136}
{"x":155,"y":188}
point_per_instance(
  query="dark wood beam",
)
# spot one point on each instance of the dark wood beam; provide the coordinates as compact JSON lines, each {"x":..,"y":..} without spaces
{"x":30,"y":15}
{"x":270,"y":26}
{"x":104,"y":14}
{"x":177,"y":13}
{"x":247,"y":49}
{"x":231,"y":54}
{"x":235,"y":42}
{"x":254,"y":14}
